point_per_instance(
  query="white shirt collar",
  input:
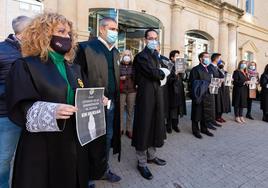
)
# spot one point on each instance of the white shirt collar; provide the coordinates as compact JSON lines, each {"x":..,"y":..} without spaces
{"x":105,"y":43}
{"x":214,"y":65}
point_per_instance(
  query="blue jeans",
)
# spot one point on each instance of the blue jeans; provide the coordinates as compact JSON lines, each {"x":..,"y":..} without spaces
{"x":9,"y":136}
{"x":109,"y":128}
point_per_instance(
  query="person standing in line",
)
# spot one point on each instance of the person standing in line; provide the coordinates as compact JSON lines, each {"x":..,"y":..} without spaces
{"x":264,"y":93}
{"x":10,"y":50}
{"x":40,"y":98}
{"x":177,"y":105}
{"x":202,"y":100}
{"x":148,"y":128}
{"x":252,"y":73}
{"x":100,"y":60}
{"x":240,"y":91}
{"x":127,"y":92}
{"x":213,"y":68}
{"x":225,"y":92}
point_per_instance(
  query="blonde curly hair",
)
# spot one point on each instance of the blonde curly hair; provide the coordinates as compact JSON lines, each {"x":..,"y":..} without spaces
{"x":37,"y":36}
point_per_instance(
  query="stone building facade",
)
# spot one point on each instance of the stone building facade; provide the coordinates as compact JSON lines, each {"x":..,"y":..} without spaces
{"x":238,"y":29}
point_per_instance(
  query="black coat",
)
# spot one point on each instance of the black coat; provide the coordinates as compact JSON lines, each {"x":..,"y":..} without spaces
{"x":148,"y":127}
{"x":44,"y":159}
{"x":240,"y":89}
{"x":176,"y":92}
{"x":224,"y":92}
{"x":218,"y":97}
{"x":95,"y":66}
{"x":264,"y":93}
{"x":204,"y":110}
{"x":165,"y":88}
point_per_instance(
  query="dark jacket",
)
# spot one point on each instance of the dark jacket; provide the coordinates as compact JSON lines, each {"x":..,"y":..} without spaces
{"x":148,"y":128}
{"x":95,"y":67}
{"x":199,"y":89}
{"x":264,"y":93}
{"x":176,"y":92}
{"x":218,"y":97}
{"x":127,"y":85}
{"x":45,"y":159}
{"x":224,"y":92}
{"x":240,"y":89}
{"x":205,"y":109}
{"x":9,"y":52}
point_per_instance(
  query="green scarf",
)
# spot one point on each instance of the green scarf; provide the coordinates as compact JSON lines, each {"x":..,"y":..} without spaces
{"x":58,"y":60}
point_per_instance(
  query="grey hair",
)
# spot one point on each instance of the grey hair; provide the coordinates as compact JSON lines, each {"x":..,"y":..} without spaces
{"x":20,"y":23}
{"x":104,"y":21}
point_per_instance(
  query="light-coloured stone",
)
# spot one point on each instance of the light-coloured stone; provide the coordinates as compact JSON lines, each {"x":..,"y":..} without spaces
{"x":212,"y":19}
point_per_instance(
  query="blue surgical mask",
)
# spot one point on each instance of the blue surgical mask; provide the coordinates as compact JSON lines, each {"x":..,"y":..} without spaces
{"x":152,"y":44}
{"x":112,"y":36}
{"x":243,"y":66}
{"x":206,"y":61}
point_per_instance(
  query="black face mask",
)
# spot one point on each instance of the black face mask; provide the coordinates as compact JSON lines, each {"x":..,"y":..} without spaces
{"x":61,"y":45}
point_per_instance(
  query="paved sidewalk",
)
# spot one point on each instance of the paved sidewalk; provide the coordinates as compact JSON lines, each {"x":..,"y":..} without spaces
{"x":237,"y":157}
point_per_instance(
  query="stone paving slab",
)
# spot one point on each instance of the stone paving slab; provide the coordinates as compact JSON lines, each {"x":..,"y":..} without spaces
{"x":237,"y":157}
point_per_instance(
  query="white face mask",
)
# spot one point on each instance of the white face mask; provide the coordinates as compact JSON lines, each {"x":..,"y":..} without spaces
{"x":126,"y":59}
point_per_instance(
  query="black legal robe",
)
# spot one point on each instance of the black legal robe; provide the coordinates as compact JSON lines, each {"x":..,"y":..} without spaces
{"x":148,"y":128}
{"x":240,"y":89}
{"x":94,"y":65}
{"x":176,"y":92}
{"x":264,"y":93}
{"x":218,"y":97}
{"x":205,"y":109}
{"x":44,"y":159}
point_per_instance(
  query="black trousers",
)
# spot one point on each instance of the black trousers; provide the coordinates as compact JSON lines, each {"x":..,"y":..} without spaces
{"x":249,"y":106}
{"x":195,"y":127}
{"x":238,"y":111}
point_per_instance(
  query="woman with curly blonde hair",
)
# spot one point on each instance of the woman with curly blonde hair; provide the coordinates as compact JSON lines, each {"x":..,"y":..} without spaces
{"x":40,"y":95}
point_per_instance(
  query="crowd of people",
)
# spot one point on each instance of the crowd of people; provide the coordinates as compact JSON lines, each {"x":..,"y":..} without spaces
{"x":42,"y":65}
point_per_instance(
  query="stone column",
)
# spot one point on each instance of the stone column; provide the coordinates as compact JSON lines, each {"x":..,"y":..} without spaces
{"x":176,"y":32}
{"x":223,"y":42}
{"x":68,"y":8}
{"x":232,"y":40}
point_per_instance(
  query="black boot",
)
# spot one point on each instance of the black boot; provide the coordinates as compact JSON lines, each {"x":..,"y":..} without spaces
{"x":175,"y":125}
{"x":168,"y":126}
{"x":249,"y":116}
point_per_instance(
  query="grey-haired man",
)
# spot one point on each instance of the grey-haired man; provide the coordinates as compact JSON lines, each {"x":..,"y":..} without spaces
{"x":9,"y":132}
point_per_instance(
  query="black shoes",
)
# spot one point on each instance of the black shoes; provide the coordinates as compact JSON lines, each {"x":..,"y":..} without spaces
{"x":197,"y":135}
{"x":169,"y":130}
{"x":111,"y":177}
{"x":176,"y":129}
{"x":249,"y":116}
{"x":145,"y":172}
{"x":207,"y":133}
{"x":157,"y":161}
{"x":211,"y":126}
{"x":216,"y":124}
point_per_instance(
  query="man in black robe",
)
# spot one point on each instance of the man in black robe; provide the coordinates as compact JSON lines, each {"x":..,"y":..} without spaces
{"x":99,"y":60}
{"x":177,"y":103}
{"x":202,"y":106}
{"x":213,"y":68}
{"x":148,"y":128}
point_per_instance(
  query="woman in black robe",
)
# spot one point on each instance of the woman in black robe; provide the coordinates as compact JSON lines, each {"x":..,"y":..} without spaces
{"x":40,"y":94}
{"x":264,"y":93}
{"x":240,"y":91}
